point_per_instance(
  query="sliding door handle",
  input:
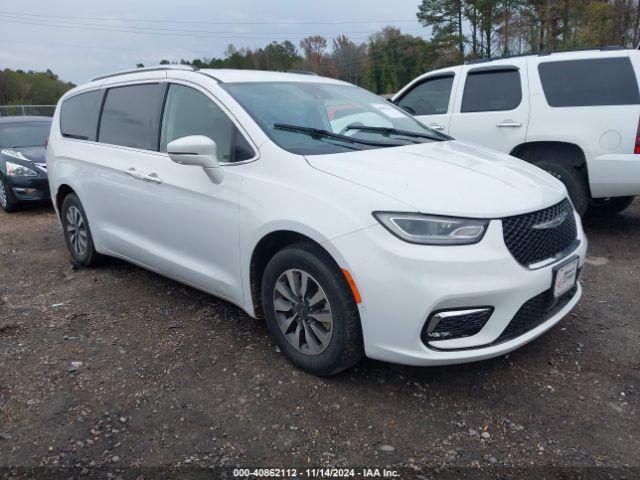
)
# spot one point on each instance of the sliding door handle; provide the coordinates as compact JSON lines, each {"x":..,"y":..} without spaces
{"x":510,"y":123}
{"x":436,"y":126}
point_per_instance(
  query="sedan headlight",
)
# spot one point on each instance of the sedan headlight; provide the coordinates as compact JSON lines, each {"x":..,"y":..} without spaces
{"x":433,"y":230}
{"x":15,"y":170}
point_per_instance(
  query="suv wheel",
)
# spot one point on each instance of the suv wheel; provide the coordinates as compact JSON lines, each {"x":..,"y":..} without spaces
{"x":573,"y":180}
{"x":310,"y":310}
{"x":7,"y":200}
{"x":607,"y":207}
{"x":77,"y":233}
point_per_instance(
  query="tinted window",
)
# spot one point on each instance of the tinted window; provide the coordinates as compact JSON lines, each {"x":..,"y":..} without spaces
{"x":430,"y":97}
{"x":491,"y":91}
{"x":79,"y":115}
{"x":189,"y":112}
{"x":577,"y":83}
{"x":24,"y":134}
{"x":131,"y":116}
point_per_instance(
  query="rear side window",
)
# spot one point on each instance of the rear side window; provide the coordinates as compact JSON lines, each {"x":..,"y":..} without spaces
{"x":580,"y":83}
{"x":79,"y":115}
{"x":131,"y":116}
{"x":189,"y":112}
{"x":492,"y":91}
{"x":430,"y":97}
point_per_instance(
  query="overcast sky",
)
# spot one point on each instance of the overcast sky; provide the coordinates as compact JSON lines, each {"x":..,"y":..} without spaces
{"x":79,"y":39}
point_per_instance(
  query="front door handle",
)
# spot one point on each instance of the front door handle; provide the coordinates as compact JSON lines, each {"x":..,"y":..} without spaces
{"x":436,"y":126}
{"x":145,"y":177}
{"x":510,"y":123}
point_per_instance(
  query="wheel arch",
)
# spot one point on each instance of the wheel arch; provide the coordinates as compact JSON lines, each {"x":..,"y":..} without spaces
{"x":536,"y":151}
{"x":63,"y":191}
{"x":265,"y":249}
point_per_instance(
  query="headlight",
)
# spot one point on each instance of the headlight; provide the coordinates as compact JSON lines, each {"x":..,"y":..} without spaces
{"x":433,"y":230}
{"x":15,"y":170}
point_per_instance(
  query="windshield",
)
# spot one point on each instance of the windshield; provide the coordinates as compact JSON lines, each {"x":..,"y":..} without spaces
{"x":289,"y":111}
{"x":24,"y":134}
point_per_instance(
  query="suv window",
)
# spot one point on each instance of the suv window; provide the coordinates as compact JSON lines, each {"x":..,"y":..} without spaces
{"x":189,"y":112}
{"x":79,"y":115}
{"x":492,"y":91}
{"x":430,"y":97}
{"x":131,"y":116}
{"x":592,"y":82}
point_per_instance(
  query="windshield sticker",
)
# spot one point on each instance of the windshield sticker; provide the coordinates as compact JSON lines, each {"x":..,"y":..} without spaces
{"x":388,"y":110}
{"x":13,"y":153}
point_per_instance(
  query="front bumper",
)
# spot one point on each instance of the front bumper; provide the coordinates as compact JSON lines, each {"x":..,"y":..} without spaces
{"x":30,"y":189}
{"x":402,"y":284}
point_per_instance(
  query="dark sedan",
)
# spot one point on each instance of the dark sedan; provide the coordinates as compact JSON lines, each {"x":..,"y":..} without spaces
{"x":23,"y":170}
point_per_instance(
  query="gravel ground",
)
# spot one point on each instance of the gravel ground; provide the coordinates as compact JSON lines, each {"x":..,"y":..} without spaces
{"x":116,"y":366}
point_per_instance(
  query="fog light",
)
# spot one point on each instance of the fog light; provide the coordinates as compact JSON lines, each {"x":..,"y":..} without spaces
{"x":25,"y":191}
{"x":455,"y":323}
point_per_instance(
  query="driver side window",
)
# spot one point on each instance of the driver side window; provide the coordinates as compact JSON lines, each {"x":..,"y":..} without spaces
{"x":189,"y":112}
{"x":431,"y":97}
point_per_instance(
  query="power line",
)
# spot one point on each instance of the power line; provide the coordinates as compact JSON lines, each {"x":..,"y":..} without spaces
{"x":190,"y":31}
{"x":146,"y":20}
{"x":178,"y":33}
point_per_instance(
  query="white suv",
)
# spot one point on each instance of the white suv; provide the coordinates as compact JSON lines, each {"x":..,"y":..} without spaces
{"x":351,"y":227}
{"x":574,"y":114}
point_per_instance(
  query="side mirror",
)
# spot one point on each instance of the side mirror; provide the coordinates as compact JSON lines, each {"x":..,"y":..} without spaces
{"x":199,"y":151}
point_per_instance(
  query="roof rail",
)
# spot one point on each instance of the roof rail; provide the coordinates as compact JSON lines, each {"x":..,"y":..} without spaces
{"x":302,"y":72}
{"x":146,"y":69}
{"x":546,"y":53}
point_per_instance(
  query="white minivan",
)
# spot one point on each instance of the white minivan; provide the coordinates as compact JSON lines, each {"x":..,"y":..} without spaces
{"x":349,"y":226}
{"x":574,"y":114}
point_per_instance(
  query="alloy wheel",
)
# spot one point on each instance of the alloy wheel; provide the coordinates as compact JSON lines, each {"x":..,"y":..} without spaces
{"x":77,"y":231}
{"x":303,"y":312}
{"x":3,"y":195}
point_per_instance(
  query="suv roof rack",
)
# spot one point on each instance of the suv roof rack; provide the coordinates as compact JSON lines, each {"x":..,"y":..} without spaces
{"x":545,"y":53}
{"x":146,"y":69}
{"x":302,"y":72}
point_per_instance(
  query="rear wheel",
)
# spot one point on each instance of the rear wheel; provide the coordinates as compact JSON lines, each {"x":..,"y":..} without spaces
{"x":7,"y":200}
{"x":573,"y":180}
{"x":608,"y":207}
{"x":77,"y":234}
{"x":310,"y":310}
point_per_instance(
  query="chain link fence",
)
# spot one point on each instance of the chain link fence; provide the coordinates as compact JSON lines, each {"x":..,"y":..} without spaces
{"x":27,"y":110}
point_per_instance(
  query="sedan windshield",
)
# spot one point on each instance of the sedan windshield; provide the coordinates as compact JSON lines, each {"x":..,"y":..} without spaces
{"x":24,"y":134}
{"x":318,"y":118}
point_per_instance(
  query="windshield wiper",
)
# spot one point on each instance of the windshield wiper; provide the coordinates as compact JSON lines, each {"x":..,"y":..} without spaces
{"x":395,"y":131}
{"x":319,"y":133}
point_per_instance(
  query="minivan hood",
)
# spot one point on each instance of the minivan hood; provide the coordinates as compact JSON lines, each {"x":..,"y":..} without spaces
{"x":447,"y":178}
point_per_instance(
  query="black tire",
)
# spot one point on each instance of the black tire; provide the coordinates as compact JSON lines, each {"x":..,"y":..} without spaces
{"x":88,"y":256}
{"x":573,"y":180}
{"x":9,"y":204}
{"x":608,"y":207}
{"x":345,"y":347}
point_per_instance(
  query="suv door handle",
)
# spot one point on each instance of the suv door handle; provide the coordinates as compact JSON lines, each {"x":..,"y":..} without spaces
{"x":436,"y":126}
{"x":510,"y":123}
{"x":146,"y":177}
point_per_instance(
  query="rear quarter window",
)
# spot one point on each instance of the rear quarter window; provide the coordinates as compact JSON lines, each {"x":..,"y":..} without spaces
{"x":591,"y":82}
{"x":79,"y":115}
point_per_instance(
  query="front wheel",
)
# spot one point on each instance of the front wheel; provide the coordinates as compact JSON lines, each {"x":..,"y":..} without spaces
{"x":608,"y":207}
{"x":7,"y":201}
{"x":310,"y":310}
{"x":77,"y":234}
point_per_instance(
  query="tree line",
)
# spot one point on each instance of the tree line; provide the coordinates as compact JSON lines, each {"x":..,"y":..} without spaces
{"x":455,"y":31}
{"x":31,"y":88}
{"x":458,"y":30}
